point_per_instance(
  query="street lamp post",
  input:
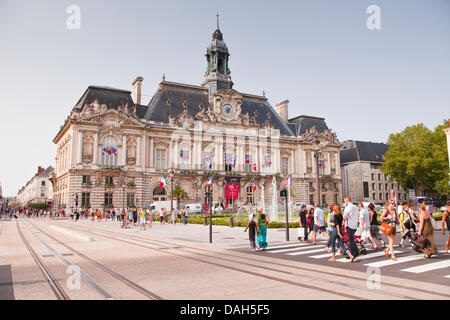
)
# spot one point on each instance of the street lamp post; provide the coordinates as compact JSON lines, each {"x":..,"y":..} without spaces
{"x":171,"y":190}
{"x":210,"y":213}
{"x":317,"y":179}
{"x":123,"y":195}
{"x":316,"y":157}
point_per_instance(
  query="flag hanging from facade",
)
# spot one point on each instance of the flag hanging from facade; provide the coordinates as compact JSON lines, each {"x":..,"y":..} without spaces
{"x":163,"y":182}
{"x":254,"y":166}
{"x":109,"y":151}
{"x":210,"y":181}
{"x":321,"y":164}
{"x":288,"y":182}
{"x":254,"y":185}
{"x":234,"y":162}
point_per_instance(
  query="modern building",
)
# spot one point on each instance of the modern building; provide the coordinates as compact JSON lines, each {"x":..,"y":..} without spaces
{"x":38,"y":189}
{"x":362,"y":178}
{"x":113,"y":151}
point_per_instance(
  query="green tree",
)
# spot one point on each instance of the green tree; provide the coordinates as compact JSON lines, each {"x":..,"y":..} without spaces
{"x":179,"y":193}
{"x":417,"y":159}
{"x":440,"y":155}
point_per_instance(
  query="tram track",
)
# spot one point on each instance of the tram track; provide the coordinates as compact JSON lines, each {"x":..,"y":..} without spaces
{"x":54,"y":285}
{"x":136,"y":287}
{"x":218,"y":264}
{"x":256,"y":260}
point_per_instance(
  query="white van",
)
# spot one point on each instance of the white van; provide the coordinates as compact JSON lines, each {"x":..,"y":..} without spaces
{"x":194,"y":208}
{"x":159,"y":205}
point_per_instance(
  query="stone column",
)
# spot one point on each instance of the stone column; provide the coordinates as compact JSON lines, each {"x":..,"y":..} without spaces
{"x":292,"y":163}
{"x":80,"y":147}
{"x":150,"y":160}
{"x":176,"y":155}
{"x":138,"y":152}
{"x":95,"y":155}
{"x":123,"y":159}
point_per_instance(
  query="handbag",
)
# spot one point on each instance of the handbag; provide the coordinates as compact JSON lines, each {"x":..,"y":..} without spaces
{"x":419,"y":241}
{"x":387,"y":229}
{"x":301,"y":232}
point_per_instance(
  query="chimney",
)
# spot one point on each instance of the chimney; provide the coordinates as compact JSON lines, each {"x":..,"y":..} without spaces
{"x":282,"y":109}
{"x":40,"y":169}
{"x":137,"y":86}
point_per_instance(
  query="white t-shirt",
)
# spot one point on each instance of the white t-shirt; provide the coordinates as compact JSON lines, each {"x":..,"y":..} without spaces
{"x":351,"y":214}
{"x":363,"y":213}
{"x":319,"y":216}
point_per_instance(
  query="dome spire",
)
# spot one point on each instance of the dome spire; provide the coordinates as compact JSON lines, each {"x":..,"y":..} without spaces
{"x":218,"y":34}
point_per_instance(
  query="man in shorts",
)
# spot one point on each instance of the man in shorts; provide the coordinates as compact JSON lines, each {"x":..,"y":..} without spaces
{"x":319,"y":223}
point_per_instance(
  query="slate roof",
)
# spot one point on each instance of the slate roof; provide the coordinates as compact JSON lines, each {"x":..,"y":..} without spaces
{"x":46,"y":172}
{"x":304,"y":123}
{"x":169,"y":101}
{"x":362,"y":151}
{"x":111,"y":97}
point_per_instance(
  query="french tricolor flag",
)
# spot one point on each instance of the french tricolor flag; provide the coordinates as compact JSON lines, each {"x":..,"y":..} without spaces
{"x":254,"y":185}
{"x":211,"y":181}
{"x":163,"y":182}
{"x":289,"y":181}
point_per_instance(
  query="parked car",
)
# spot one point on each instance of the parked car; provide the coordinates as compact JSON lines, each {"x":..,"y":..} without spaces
{"x":443,"y":208}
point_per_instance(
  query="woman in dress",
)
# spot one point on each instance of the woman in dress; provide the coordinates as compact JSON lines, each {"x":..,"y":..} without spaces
{"x":426,"y":230}
{"x":390,"y":217}
{"x":252,"y":232}
{"x":262,"y":222}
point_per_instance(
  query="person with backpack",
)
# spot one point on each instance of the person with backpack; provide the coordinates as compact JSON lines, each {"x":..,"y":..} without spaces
{"x":408,"y":222}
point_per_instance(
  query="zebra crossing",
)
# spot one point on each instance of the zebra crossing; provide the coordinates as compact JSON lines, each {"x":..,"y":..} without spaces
{"x":374,"y":259}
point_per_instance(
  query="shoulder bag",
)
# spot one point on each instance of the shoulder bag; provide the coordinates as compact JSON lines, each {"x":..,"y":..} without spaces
{"x":387,"y":229}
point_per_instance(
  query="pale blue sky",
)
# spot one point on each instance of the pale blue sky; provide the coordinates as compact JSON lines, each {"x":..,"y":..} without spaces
{"x":318,"y":54}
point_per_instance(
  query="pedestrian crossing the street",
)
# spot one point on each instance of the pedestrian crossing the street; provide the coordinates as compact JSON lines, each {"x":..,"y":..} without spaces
{"x":408,"y":261}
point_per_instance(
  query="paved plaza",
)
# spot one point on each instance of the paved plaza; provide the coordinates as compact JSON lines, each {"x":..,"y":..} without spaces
{"x":177,"y":262}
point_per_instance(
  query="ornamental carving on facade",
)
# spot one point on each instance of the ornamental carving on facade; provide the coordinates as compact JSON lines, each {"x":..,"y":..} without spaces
{"x":227,"y":105}
{"x":327,"y":137}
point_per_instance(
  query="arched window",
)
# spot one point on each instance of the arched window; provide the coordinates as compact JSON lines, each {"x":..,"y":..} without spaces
{"x":109,"y":152}
{"x":159,"y":194}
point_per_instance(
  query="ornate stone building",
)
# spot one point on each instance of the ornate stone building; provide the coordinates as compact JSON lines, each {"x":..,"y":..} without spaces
{"x":114,"y":151}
